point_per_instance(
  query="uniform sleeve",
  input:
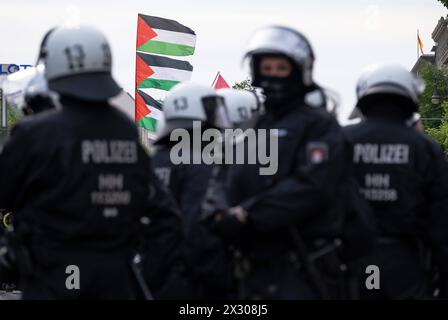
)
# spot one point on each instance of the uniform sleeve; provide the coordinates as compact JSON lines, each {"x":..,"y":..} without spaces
{"x":13,"y":167}
{"x":315,"y":175}
{"x":194,"y":187}
{"x":215,"y":195}
{"x":163,"y":235}
{"x":437,"y":193}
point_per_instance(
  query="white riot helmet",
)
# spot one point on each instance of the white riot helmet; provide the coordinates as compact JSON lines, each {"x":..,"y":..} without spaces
{"x":38,"y":97}
{"x":282,"y":41}
{"x":188,"y":102}
{"x":389,"y":79}
{"x":15,"y":84}
{"x":78,"y":63}
{"x":241,"y":104}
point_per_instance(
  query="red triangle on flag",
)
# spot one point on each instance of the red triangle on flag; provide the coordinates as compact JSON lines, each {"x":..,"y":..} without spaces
{"x":142,"y":71}
{"x":144,"y":32}
{"x":141,"y":110}
{"x":220,"y":83}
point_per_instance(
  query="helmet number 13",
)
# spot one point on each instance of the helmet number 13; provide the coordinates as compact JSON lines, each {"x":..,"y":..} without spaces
{"x":75,"y":57}
{"x":180,"y":104}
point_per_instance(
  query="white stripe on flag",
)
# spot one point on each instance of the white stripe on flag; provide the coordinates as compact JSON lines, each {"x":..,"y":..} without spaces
{"x":155,"y":113}
{"x":161,"y":73}
{"x":155,"y":93}
{"x":175,"y":37}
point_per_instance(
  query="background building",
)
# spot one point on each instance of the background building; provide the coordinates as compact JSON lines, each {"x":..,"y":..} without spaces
{"x":439,"y":52}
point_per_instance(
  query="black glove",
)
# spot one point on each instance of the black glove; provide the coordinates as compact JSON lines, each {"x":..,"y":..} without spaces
{"x":228,"y":227}
{"x":8,"y":266}
{"x":441,"y":283}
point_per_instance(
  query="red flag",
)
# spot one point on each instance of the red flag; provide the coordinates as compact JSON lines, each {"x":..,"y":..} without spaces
{"x":420,"y":43}
{"x":144,"y":32}
{"x":141,"y":110}
{"x":220,"y":83}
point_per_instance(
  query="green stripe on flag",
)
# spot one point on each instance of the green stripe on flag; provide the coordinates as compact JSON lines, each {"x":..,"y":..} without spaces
{"x":157,"y":84}
{"x":148,"y":123}
{"x":167,"y":48}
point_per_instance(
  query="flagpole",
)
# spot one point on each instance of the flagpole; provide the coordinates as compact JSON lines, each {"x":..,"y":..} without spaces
{"x":214,"y":80}
{"x":418,"y":37}
{"x":135,"y":76}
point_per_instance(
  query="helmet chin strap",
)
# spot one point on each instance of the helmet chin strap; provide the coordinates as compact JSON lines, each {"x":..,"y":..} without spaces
{"x":282,"y":91}
{"x":387,"y":106}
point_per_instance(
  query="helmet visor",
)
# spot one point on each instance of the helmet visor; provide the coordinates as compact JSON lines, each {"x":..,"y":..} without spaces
{"x":95,"y":86}
{"x":216,"y":112}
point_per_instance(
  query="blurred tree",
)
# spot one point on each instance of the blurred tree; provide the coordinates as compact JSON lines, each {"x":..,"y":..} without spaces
{"x":436,"y":85}
{"x":14,"y":116}
{"x":440,"y":134}
{"x":444,"y":2}
{"x":243,"y":85}
{"x":435,"y":115}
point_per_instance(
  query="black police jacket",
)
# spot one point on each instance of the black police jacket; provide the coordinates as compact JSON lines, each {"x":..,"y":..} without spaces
{"x":205,"y":254}
{"x":186,"y":182}
{"x":78,"y":181}
{"x":404,"y":175}
{"x":305,"y":193}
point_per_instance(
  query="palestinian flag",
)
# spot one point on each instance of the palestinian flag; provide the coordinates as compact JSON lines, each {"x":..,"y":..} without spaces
{"x":160,"y":72}
{"x":147,"y":111}
{"x":164,"y":36}
{"x":219,"y":82}
{"x":156,"y":39}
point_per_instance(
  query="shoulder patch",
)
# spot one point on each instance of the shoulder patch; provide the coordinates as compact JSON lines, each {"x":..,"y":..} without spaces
{"x":317,"y":152}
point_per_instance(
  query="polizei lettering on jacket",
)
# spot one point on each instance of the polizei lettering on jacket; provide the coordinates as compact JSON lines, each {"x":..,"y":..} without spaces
{"x":111,"y":193}
{"x":372,"y":153}
{"x":109,"y":151}
{"x":378,"y":187}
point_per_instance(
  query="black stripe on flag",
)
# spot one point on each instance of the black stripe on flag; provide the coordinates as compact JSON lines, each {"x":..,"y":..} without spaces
{"x":150,"y":100}
{"x":165,"y":24}
{"x":164,"y":62}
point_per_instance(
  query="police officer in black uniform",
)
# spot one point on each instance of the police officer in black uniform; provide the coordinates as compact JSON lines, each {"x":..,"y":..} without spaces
{"x":285,"y":223}
{"x":404,"y":176}
{"x":193,"y":108}
{"x":36,"y":98}
{"x":30,"y":83}
{"x":79,"y":183}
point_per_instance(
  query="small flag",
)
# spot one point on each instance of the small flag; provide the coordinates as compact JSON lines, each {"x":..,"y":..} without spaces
{"x":147,"y":111}
{"x":420,"y":43}
{"x":164,"y":36}
{"x":156,"y":39}
{"x":317,"y":152}
{"x":220,"y":83}
{"x":160,"y":72}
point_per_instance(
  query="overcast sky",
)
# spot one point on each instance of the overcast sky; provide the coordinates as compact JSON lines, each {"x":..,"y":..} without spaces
{"x":346,"y":34}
